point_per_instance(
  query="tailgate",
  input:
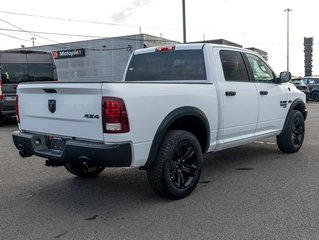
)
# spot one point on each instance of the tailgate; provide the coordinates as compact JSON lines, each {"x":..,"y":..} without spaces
{"x":62,"y":109}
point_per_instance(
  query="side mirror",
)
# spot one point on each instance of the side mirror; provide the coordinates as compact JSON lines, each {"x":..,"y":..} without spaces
{"x":285,"y":77}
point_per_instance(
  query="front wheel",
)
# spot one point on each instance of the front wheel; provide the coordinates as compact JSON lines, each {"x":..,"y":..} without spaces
{"x":177,"y":167}
{"x":291,"y":139}
{"x":82,"y":170}
{"x":1,"y":120}
{"x":315,"y":96}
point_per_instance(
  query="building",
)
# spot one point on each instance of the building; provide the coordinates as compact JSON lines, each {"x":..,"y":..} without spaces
{"x":261,"y":52}
{"x":98,"y":60}
{"x":220,"y":41}
{"x":308,"y":42}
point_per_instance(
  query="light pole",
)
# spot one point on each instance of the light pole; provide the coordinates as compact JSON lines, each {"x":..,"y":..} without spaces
{"x":288,"y":10}
{"x":184,"y":23}
{"x":33,"y":38}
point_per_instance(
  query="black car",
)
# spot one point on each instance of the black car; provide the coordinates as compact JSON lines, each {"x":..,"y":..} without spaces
{"x":313,"y":84}
{"x":21,"y":66}
{"x":302,"y":87}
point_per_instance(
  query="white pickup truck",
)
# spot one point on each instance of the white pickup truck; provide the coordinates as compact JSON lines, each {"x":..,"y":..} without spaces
{"x":175,"y":103}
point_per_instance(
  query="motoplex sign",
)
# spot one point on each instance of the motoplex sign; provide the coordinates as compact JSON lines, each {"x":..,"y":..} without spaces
{"x":72,"y":53}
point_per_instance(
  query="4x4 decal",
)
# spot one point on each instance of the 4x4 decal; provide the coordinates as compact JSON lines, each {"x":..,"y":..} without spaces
{"x":283,"y":104}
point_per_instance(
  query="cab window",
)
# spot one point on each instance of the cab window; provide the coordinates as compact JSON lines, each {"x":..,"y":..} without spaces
{"x":233,"y":66}
{"x":261,"y":72}
{"x":167,"y":66}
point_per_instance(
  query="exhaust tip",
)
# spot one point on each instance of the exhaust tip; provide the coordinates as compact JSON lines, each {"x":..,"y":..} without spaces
{"x":23,"y":154}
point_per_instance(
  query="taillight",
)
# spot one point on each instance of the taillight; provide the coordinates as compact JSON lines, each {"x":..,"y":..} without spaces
{"x":165,"y":48}
{"x":17,"y":109}
{"x":1,"y":93}
{"x":114,"y":115}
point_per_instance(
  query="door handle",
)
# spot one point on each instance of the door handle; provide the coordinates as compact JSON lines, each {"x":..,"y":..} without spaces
{"x":263,"y":92}
{"x":230,"y":93}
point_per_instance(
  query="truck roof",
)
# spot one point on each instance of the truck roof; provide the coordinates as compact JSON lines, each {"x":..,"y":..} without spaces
{"x":187,"y":46}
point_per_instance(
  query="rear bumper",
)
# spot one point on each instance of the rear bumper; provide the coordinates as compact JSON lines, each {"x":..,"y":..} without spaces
{"x":75,"y":151}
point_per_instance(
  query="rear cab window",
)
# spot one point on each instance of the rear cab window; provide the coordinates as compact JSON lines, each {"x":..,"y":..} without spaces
{"x":168,"y":65}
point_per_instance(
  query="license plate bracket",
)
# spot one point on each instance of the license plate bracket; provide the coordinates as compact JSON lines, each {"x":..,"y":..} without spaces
{"x":10,"y":98}
{"x":56,"y":143}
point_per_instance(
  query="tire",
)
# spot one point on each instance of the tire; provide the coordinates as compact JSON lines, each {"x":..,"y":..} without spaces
{"x":1,"y":120}
{"x":83,"y":170}
{"x":177,"y":167}
{"x":291,"y":139}
{"x":315,"y":96}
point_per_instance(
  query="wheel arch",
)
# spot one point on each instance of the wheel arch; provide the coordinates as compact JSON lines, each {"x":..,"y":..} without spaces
{"x":314,"y":89}
{"x":184,"y":118}
{"x":298,"y":105}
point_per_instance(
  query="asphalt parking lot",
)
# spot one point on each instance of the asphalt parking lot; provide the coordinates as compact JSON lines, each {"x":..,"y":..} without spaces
{"x":249,"y":192}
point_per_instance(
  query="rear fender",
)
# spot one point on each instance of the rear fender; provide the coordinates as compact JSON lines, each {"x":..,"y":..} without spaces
{"x":166,"y":124}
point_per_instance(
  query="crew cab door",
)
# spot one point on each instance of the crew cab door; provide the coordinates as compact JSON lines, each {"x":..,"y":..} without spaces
{"x":239,"y":98}
{"x":272,"y":96}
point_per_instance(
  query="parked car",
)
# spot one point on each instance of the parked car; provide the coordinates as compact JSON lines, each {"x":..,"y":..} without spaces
{"x":302,"y":87}
{"x":17,"y":67}
{"x":313,"y":85}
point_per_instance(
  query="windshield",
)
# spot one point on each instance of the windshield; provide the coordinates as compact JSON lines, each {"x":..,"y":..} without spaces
{"x":23,"y":72}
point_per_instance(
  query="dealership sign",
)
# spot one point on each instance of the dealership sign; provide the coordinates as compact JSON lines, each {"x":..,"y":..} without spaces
{"x":72,"y":53}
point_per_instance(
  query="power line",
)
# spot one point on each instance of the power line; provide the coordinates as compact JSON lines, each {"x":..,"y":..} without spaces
{"x":36,"y":35}
{"x":85,"y":21}
{"x":87,"y":36}
{"x":129,"y":47}
{"x":7,"y":35}
{"x":51,"y":33}
{"x":68,"y":45}
{"x":66,"y":19}
{"x":26,"y":31}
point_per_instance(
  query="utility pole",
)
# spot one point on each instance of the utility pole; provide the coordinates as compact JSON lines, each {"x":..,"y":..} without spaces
{"x":288,"y":10}
{"x":33,"y":38}
{"x":184,"y":23}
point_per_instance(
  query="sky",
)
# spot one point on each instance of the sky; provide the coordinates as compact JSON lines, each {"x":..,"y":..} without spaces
{"x":250,"y":23}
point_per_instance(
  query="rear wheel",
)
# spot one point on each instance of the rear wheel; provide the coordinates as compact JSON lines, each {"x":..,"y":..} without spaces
{"x":291,"y":139}
{"x":1,"y":120}
{"x":83,"y":170}
{"x":177,"y":168}
{"x":315,"y":96}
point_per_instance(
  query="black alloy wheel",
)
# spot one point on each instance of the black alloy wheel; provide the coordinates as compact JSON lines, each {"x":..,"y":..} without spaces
{"x":291,"y":139}
{"x":184,"y":166}
{"x":297,"y":132}
{"x":176,"y":171}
